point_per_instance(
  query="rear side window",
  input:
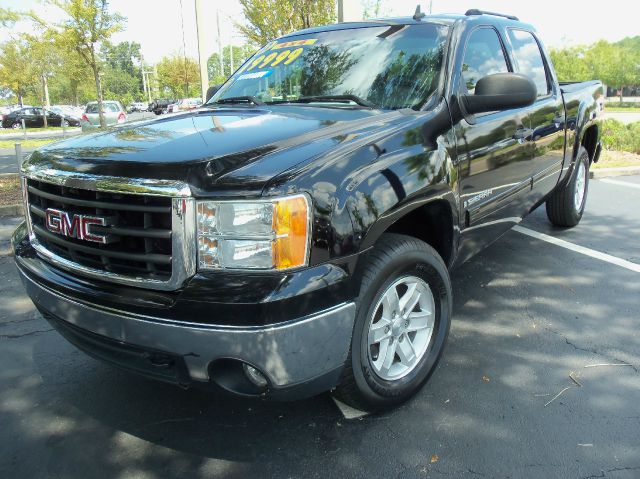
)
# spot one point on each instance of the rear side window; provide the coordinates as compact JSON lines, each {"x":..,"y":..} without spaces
{"x":106,"y":107}
{"x":528,"y":59}
{"x":483,"y":56}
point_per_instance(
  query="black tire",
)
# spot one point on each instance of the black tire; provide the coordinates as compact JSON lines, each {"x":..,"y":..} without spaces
{"x":561,"y":206}
{"x":16,"y":125}
{"x":393,"y":257}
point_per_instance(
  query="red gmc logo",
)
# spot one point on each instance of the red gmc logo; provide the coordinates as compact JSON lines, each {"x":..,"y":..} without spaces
{"x":76,"y":226}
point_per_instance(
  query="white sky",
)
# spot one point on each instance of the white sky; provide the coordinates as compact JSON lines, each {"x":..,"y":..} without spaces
{"x":156,"y":25}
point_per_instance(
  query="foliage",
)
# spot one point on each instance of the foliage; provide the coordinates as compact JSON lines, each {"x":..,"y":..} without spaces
{"x":8,"y":17}
{"x":620,"y":137}
{"x":240,"y":54}
{"x":89,"y":23}
{"x":374,"y":9}
{"x":16,"y":73}
{"x":616,"y":64}
{"x":270,"y":19}
{"x":179,"y":77}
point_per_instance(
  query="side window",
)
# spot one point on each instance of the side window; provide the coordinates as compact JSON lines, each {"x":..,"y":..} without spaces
{"x":528,"y":59}
{"x":37,"y":111}
{"x":483,"y":56}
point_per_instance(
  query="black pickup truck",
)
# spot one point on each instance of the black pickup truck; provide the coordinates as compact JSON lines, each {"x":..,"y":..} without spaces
{"x":296,"y":233}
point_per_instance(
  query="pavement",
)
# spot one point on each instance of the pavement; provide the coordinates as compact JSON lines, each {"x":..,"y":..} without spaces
{"x":540,"y":379}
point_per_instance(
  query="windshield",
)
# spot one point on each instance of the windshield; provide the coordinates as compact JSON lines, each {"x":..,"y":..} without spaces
{"x":388,"y":67}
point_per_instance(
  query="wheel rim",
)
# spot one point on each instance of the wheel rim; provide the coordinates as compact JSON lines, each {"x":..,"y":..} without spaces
{"x":581,"y":184}
{"x":400,"y":328}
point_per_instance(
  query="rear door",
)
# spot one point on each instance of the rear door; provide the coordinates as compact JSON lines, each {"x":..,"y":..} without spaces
{"x":494,"y":171}
{"x":546,"y":115}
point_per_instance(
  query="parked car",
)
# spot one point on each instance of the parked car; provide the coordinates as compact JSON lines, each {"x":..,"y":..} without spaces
{"x":70,"y":114}
{"x":282,"y":248}
{"x":160,"y":106}
{"x":33,"y":118}
{"x":138,"y":106}
{"x":112,"y":111}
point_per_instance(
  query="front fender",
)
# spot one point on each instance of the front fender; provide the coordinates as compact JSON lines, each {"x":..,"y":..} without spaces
{"x":380,"y":193}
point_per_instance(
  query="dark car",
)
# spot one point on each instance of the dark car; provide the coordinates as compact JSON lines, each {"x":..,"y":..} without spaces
{"x":296,"y":233}
{"x":34,"y":118}
{"x":160,"y":106}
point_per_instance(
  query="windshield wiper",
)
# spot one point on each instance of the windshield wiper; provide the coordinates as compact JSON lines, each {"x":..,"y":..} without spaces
{"x":240,"y":99}
{"x":332,"y":98}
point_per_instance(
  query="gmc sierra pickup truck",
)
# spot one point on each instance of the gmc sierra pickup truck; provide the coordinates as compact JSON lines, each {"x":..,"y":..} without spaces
{"x":295,"y":234}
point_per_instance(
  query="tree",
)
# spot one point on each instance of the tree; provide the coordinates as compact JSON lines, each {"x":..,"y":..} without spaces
{"x":16,"y":71}
{"x":373,"y":9}
{"x":46,"y":60}
{"x":122,"y":78}
{"x":179,"y":76}
{"x":8,"y":17}
{"x":269,"y":19}
{"x":570,"y":63}
{"x":89,"y":24}
{"x":240,"y":54}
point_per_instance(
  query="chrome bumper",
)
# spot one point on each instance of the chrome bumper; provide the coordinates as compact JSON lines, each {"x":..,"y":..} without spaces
{"x":288,"y":354}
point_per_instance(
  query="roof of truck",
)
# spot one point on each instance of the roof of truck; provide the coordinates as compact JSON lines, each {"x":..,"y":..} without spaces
{"x":445,"y":18}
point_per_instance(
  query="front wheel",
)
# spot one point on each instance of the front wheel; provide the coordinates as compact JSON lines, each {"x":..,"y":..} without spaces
{"x":565,"y":207}
{"x":16,"y":125}
{"x":402,"y":321}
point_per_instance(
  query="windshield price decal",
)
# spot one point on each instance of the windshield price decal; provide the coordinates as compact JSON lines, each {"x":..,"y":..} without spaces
{"x":286,"y":57}
{"x":297,"y":43}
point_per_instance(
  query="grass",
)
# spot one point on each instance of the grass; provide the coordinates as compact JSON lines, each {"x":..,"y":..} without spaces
{"x":616,"y":159}
{"x":30,"y":143}
{"x":11,"y":131}
{"x":613,"y":109}
{"x":10,"y":192}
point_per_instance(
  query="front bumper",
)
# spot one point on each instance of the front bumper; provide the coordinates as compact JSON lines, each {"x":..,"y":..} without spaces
{"x":299,"y":357}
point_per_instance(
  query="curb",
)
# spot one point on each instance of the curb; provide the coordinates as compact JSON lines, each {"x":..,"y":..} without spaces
{"x":605,"y":172}
{"x":12,"y":210}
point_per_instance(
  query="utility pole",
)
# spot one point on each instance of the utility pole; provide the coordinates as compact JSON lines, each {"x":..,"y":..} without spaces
{"x":220,"y":49}
{"x":340,"y":11}
{"x":204,"y":74}
{"x":144,"y":80}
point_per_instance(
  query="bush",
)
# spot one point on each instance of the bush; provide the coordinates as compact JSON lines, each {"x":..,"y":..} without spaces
{"x":620,"y":137}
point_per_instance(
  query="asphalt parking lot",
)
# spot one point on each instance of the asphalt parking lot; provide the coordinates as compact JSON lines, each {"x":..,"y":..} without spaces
{"x":532,"y":319}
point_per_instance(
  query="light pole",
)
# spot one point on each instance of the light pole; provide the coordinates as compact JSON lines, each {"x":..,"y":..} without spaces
{"x":204,"y":74}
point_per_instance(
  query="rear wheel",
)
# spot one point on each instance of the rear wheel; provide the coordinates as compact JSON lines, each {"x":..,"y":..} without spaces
{"x":402,"y":321}
{"x":16,"y":125}
{"x":566,"y":206}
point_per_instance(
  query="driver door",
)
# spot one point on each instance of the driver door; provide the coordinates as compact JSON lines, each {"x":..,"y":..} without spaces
{"x":493,"y":155}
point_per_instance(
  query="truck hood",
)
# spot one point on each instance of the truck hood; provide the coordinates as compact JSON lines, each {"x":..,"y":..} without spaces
{"x":213,"y":149}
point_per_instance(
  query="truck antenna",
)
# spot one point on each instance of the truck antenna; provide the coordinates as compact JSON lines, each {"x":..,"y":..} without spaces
{"x":418,"y":15}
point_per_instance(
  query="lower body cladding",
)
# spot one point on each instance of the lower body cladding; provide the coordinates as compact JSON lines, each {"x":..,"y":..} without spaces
{"x":284,"y":361}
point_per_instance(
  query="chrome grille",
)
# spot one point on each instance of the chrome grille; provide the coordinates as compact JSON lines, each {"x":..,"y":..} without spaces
{"x":148,"y":236}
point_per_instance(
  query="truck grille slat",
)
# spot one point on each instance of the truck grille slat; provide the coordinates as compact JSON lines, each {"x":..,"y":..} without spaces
{"x":98,"y":204}
{"x":139,"y":229}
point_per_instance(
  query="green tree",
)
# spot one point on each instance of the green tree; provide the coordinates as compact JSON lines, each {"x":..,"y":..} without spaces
{"x":179,"y":76}
{"x":570,"y":63}
{"x":269,"y":19}
{"x":122,"y":78}
{"x":8,"y":17}
{"x":16,"y":70}
{"x":240,"y":54}
{"x":89,"y":23}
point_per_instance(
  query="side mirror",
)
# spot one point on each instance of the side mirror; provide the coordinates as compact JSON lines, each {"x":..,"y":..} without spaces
{"x":212,"y":91}
{"x":501,"y":91}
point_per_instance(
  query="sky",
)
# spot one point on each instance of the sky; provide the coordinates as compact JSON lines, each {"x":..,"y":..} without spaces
{"x":156,"y":24}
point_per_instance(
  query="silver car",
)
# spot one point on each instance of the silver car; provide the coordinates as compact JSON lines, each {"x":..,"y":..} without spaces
{"x":113,"y":114}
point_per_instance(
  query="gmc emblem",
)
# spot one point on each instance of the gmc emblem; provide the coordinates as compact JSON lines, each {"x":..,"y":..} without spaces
{"x":76,"y":226}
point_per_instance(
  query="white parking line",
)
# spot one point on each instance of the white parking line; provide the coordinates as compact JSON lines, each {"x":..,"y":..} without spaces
{"x":621,"y":183}
{"x":579,"y":249}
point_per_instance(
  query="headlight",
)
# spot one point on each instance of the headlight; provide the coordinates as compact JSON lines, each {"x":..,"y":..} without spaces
{"x":269,"y":234}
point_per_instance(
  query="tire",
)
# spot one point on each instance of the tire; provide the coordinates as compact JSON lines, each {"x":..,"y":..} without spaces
{"x":566,"y":205}
{"x":395,"y":262}
{"x":16,"y":125}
